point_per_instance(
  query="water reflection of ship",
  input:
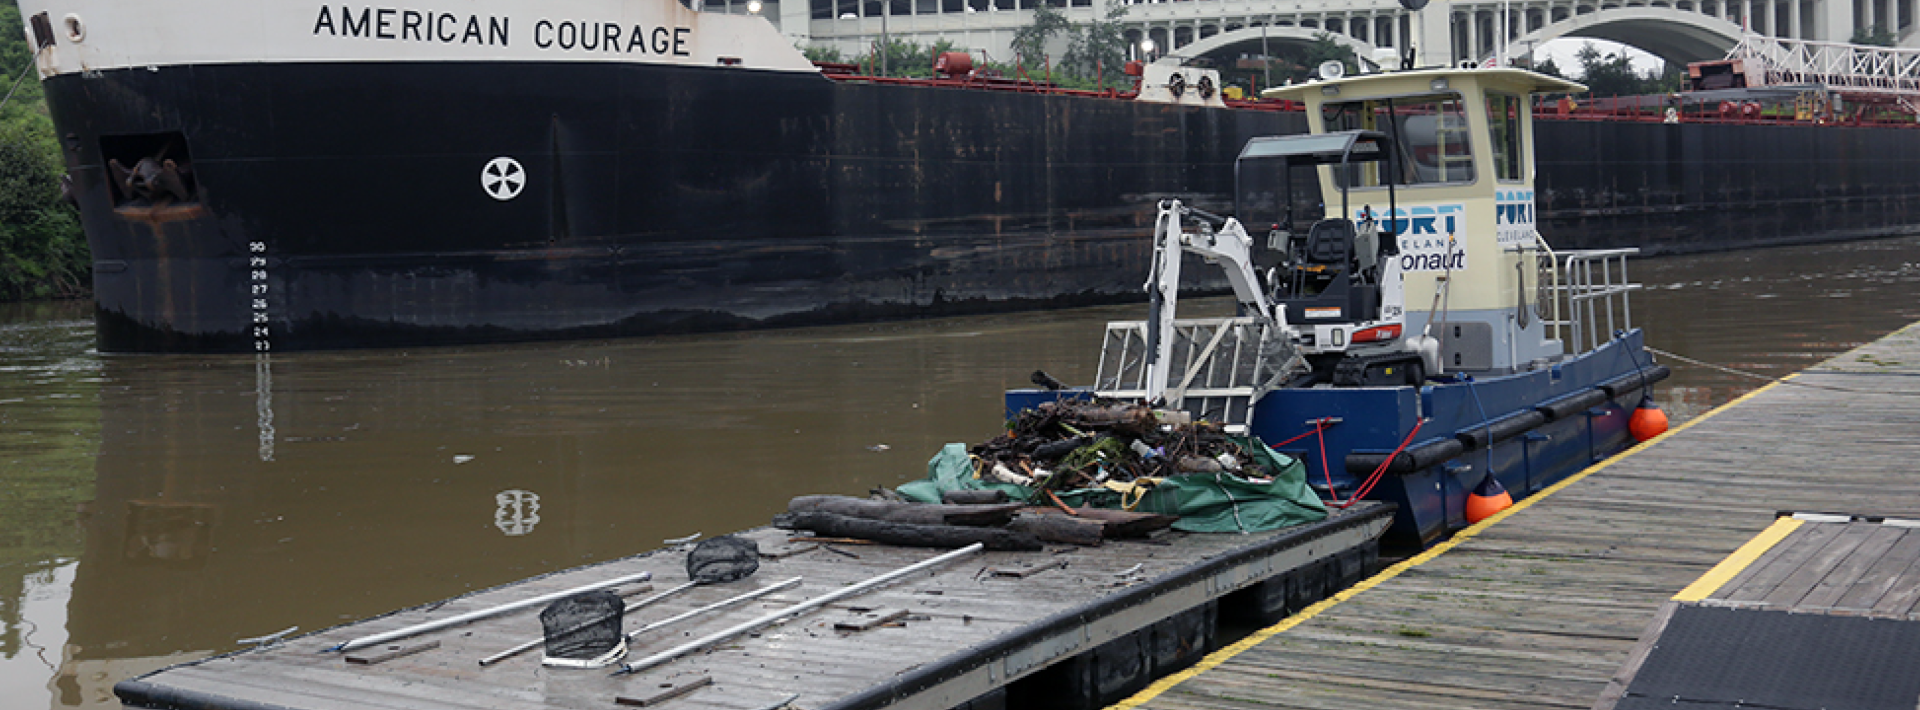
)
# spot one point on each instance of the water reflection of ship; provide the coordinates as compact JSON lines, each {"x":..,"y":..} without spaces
{"x":236,"y":497}
{"x":208,"y":527}
{"x":168,"y":533}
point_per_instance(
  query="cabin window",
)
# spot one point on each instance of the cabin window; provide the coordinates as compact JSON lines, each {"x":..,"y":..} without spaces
{"x":1263,"y":189}
{"x":1503,"y":120}
{"x":1429,"y":134}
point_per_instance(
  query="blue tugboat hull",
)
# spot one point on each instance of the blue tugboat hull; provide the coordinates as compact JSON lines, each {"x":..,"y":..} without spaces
{"x":1529,"y":430}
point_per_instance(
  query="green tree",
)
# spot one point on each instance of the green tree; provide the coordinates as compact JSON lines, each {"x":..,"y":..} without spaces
{"x":1303,"y":64}
{"x":1672,"y":78}
{"x":1030,"y":41}
{"x":1608,"y":74}
{"x":42,"y":250}
{"x":822,"y":53}
{"x":1613,"y":74}
{"x":904,"y":58}
{"x":1325,"y":49}
{"x":1098,"y":49}
{"x":16,"y":61}
{"x":1876,"y":36}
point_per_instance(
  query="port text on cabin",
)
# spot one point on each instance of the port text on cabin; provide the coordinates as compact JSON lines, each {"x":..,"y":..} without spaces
{"x":449,"y":28}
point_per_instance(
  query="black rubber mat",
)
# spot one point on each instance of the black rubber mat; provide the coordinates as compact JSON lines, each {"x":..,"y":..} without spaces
{"x":1715,"y":657}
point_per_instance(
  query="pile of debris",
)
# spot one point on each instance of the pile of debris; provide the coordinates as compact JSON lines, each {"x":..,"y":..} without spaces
{"x":1014,"y":492}
{"x":1069,"y":445}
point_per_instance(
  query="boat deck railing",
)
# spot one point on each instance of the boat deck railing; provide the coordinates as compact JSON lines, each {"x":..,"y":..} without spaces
{"x":1589,"y":292}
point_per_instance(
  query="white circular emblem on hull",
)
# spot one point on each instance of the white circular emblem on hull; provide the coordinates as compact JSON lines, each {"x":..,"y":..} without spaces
{"x":503,"y":178}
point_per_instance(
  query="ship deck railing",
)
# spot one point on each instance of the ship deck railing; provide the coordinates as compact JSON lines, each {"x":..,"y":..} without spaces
{"x":1768,"y":106}
{"x":1587,"y":293}
{"x":1031,"y":85}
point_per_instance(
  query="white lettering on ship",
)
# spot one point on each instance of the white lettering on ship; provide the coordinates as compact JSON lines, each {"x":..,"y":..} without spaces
{"x":411,"y":25}
{"x":611,"y":37}
{"x":404,"y":25}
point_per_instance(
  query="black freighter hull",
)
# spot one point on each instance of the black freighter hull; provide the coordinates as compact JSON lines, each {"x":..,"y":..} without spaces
{"x":332,"y":204}
{"x":353,"y":176}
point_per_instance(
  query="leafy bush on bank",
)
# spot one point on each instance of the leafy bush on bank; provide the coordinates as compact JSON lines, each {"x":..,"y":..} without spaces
{"x":43,"y":253}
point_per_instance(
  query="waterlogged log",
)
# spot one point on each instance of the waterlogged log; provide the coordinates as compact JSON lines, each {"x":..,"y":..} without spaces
{"x":1059,"y":528}
{"x":901,"y":512}
{"x":1132,"y":419}
{"x":984,"y":496}
{"x":906,"y":534}
{"x":1116,"y":523}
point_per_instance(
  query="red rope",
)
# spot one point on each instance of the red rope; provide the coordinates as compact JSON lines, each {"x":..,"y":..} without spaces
{"x":1381,"y":470}
{"x":1319,"y":426}
{"x":1316,"y":428}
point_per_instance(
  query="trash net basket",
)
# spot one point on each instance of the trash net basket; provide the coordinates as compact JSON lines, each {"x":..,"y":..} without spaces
{"x":723,"y":559}
{"x":584,"y":627}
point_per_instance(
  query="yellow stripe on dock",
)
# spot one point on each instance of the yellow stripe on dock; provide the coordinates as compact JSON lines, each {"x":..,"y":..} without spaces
{"x":1221,"y":656}
{"x":1710,"y":582}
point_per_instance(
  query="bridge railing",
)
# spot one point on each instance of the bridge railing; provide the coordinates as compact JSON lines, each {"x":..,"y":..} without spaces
{"x":1835,"y":65}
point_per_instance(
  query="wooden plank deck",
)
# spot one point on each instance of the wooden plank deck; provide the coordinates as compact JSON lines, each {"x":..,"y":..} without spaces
{"x":1762,"y":609}
{"x":1541,"y":606}
{"x":966,"y":632}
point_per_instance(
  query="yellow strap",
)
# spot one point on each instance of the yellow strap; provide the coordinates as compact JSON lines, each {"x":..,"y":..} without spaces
{"x":1132,"y":492}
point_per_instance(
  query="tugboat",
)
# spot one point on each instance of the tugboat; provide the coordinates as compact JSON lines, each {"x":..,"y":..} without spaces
{"x":1414,"y":339}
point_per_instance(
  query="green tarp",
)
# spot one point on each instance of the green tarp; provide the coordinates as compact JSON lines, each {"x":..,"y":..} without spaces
{"x":1205,"y":502}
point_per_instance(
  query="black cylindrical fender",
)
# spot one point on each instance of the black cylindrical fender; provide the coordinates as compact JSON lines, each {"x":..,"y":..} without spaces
{"x":1569,"y":405}
{"x":1499,"y":430}
{"x":1632,"y":381}
{"x":1413,"y":459}
{"x":1436,"y":451}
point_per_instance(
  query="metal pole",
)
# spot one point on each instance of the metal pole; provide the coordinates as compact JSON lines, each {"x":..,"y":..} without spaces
{"x":722,"y":604}
{"x":1626,"y":294}
{"x":1266,"y":60}
{"x":886,"y":10}
{"x":809,"y":605}
{"x":630,"y":608}
{"x":422,"y":628}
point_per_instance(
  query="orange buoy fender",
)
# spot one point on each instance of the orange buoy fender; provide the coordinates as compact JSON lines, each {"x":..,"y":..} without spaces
{"x":1647,"y":421}
{"x":1486,"y":499}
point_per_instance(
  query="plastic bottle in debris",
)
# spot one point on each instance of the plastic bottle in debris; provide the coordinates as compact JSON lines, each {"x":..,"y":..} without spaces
{"x":1143,"y":450}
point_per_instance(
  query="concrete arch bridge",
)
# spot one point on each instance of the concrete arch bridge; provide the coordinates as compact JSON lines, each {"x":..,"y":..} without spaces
{"x":1443,"y":32}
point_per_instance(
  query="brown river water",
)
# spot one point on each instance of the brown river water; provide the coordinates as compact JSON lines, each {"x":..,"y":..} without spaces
{"x":157,"y":509}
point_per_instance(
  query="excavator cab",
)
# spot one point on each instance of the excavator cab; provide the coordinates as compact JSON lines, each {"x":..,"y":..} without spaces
{"x":1323,"y":267}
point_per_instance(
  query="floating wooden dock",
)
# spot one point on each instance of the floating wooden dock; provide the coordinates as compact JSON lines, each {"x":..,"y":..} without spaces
{"x":1087,"y":625}
{"x":1817,"y":611}
{"x":1542,"y":606}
